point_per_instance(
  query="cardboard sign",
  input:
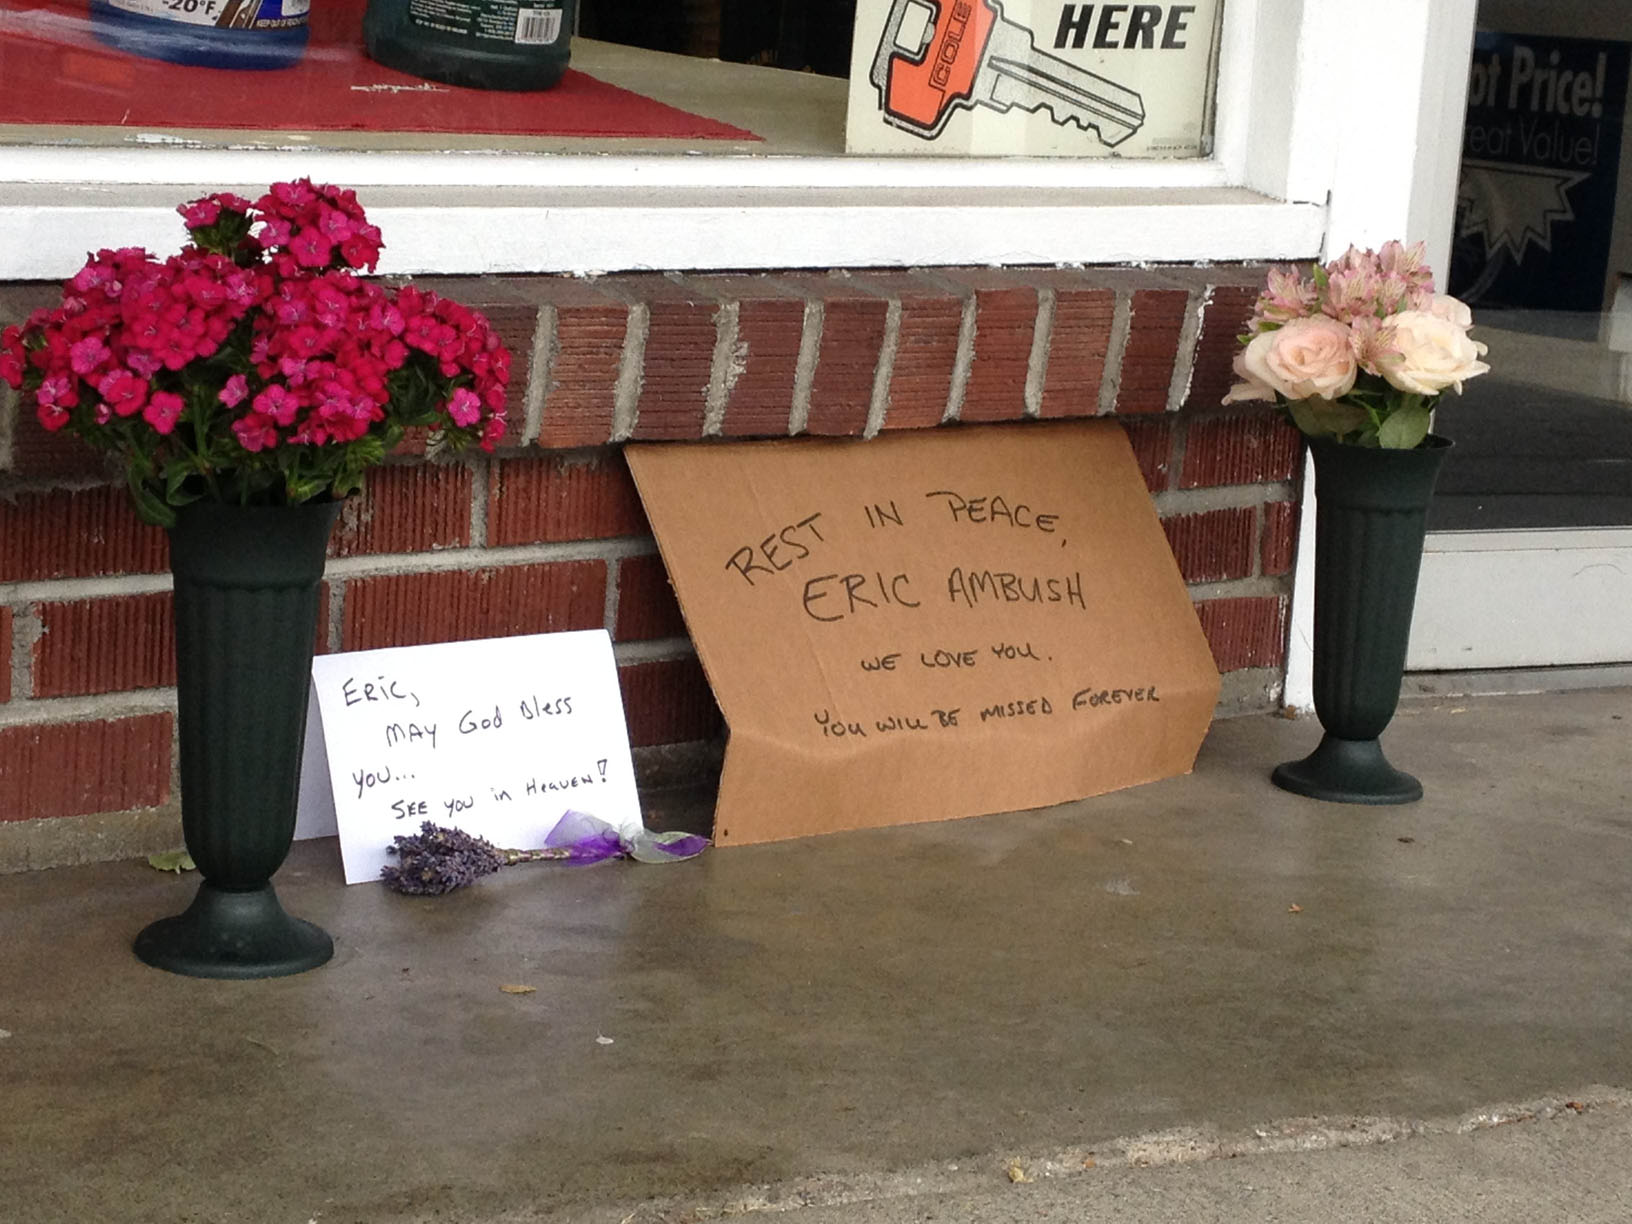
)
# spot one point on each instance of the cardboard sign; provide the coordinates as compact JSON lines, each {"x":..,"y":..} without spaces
{"x":929,"y":625}
{"x":498,"y":737}
{"x":1027,"y":77}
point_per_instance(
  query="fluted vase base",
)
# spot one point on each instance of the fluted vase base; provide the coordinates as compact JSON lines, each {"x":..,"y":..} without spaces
{"x":1347,"y":771}
{"x":234,"y":935}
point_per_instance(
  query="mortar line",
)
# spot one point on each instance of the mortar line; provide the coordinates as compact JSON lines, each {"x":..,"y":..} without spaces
{"x":1042,"y":345}
{"x":11,"y":485}
{"x":546,"y":348}
{"x":720,"y":376}
{"x":1260,"y":523}
{"x":1238,"y":588}
{"x":631,"y":373}
{"x":963,"y":362}
{"x":611,"y":596}
{"x":1110,"y":383}
{"x":26,"y":629}
{"x":341,"y":568}
{"x":481,"y":474}
{"x":51,"y":590}
{"x":1176,"y":453}
{"x":89,"y":707}
{"x":1221,"y":497}
{"x":804,"y":369}
{"x":11,"y":405}
{"x":879,"y":405}
{"x":335,"y":639}
{"x":1184,"y":364}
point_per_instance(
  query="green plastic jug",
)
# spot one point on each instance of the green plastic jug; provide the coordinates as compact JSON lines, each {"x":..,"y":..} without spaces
{"x":480,"y":44}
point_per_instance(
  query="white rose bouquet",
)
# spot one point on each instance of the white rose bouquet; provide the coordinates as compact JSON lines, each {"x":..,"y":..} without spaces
{"x":1360,"y":350}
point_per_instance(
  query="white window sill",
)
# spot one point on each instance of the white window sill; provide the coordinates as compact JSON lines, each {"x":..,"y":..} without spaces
{"x":46,"y":228}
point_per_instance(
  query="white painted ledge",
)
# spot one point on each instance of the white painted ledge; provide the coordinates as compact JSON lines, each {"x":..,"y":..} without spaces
{"x":46,"y":229}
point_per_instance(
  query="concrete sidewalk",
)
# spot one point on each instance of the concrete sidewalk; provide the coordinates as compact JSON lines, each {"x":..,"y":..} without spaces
{"x":892,"y":1025}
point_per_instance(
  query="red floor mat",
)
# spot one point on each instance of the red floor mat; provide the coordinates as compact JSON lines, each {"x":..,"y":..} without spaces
{"x":53,"y":71}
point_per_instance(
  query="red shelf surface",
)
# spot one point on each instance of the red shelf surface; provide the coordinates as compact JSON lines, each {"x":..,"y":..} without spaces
{"x":53,"y":71}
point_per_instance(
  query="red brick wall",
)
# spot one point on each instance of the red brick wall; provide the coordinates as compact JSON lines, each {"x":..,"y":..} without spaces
{"x":549,"y":534}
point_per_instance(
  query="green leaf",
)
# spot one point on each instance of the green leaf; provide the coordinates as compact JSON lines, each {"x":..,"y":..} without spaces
{"x":304,"y":489}
{"x":1304,"y":417}
{"x":1320,"y":418}
{"x":177,"y":861}
{"x":177,"y":473}
{"x":150,"y":507}
{"x":1405,"y":428}
{"x":346,"y":483}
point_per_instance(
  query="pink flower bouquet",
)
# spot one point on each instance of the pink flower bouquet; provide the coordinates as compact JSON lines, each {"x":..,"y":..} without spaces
{"x":256,"y":366}
{"x":1360,"y":350}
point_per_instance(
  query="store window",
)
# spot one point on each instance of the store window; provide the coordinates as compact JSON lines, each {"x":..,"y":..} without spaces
{"x":1534,"y":507}
{"x":660,"y":158}
{"x":1543,"y":255}
{"x":984,"y":78}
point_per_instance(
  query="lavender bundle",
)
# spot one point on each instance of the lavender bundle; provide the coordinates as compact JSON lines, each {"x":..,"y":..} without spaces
{"x":438,"y":860}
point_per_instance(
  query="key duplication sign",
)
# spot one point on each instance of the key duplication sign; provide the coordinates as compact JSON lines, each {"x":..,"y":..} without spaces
{"x":987,"y":78}
{"x":499,"y":737}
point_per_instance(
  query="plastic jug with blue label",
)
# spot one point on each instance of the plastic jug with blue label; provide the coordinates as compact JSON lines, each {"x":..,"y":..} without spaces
{"x":480,"y":44}
{"x":208,"y":33}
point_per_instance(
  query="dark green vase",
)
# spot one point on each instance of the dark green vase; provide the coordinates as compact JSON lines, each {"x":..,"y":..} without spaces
{"x":1370,"y":517}
{"x":246,"y":602}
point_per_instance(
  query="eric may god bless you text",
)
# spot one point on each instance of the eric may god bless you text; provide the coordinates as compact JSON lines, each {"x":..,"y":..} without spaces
{"x":835,"y":597}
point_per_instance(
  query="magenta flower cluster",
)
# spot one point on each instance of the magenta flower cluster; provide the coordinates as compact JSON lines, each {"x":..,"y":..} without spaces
{"x":256,"y":364}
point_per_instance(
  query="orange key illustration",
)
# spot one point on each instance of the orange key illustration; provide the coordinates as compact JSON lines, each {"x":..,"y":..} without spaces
{"x":936,"y":57}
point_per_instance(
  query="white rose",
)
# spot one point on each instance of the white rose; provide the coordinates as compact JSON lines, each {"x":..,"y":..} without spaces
{"x":1435,"y":354}
{"x":1249,"y":388}
{"x":1452,"y":310}
{"x":1305,"y":358}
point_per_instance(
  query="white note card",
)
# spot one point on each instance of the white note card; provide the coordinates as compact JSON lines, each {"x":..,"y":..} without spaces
{"x":499,"y":737}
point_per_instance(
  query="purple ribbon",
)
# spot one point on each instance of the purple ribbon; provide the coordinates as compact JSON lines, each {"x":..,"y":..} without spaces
{"x":589,"y":839}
